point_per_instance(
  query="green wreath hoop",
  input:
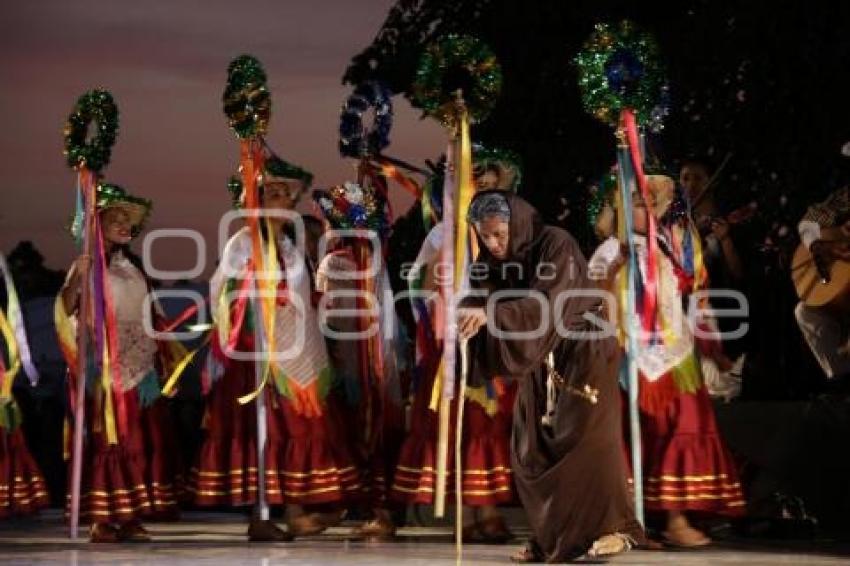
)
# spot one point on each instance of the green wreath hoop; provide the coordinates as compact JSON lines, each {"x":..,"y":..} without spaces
{"x":457,"y":62}
{"x":619,"y":68}
{"x":247,"y":100}
{"x":99,"y":107}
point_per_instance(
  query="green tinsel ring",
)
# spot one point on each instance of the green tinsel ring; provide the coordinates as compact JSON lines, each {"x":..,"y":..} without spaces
{"x":598,"y":97}
{"x":453,"y":62}
{"x":247,"y":100}
{"x":96,"y":105}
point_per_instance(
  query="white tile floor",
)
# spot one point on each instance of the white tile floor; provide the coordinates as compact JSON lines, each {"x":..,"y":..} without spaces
{"x":208,"y":540}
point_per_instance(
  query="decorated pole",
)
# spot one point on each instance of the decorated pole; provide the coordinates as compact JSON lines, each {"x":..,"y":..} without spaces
{"x":365,"y":140}
{"x":444,"y":384}
{"x":88,"y":159}
{"x":626,"y":229}
{"x":88,"y":188}
{"x":247,"y":105}
{"x":622,"y":85}
{"x":458,"y":82}
{"x":464,"y":371}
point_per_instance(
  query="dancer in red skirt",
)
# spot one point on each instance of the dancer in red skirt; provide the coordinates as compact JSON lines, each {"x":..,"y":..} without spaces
{"x":130,"y":462}
{"x":365,"y":346}
{"x":686,"y":465}
{"x":22,"y":488}
{"x":486,"y":467}
{"x":307,"y":461}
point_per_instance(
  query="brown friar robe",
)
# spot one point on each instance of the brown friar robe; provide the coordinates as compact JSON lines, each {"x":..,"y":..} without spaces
{"x":571,"y":473}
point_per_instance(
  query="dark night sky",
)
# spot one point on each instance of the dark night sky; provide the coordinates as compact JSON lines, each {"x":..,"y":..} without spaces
{"x":165,"y":63}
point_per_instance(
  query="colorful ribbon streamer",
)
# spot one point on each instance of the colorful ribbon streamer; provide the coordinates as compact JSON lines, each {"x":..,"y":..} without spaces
{"x":15,"y":318}
{"x":456,"y":201}
{"x":627,"y":293}
{"x":115,"y":411}
{"x":650,"y":295}
{"x":7,"y":376}
{"x":265,"y":267}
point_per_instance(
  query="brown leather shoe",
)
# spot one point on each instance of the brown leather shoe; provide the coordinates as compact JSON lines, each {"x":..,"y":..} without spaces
{"x":133,"y":532}
{"x":307,"y":525}
{"x":331,"y":518}
{"x":267,"y":531}
{"x":687,"y":537}
{"x":376,"y":529}
{"x":103,"y":533}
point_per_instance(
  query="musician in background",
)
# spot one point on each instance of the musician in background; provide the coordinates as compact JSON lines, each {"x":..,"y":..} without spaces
{"x":719,"y":230}
{"x":827,"y":330}
{"x":721,"y":256}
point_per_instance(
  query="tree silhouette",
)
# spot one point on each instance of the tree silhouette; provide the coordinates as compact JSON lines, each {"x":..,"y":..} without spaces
{"x":754,"y":84}
{"x":752,"y":80}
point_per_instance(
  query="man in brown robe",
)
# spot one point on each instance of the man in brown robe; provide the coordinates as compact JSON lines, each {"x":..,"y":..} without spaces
{"x":566,"y":448}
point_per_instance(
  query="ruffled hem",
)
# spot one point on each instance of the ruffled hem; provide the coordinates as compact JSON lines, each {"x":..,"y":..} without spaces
{"x":22,"y":487}
{"x":486,"y":463}
{"x":114,"y":488}
{"x":165,"y":478}
{"x":694,"y":473}
{"x":300,"y":473}
{"x":305,"y":468}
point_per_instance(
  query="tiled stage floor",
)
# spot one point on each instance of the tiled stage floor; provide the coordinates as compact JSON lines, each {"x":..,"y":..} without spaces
{"x":211,"y":539}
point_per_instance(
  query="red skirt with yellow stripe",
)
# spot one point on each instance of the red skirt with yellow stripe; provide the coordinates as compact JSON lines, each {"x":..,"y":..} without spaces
{"x":114,"y":487}
{"x":307,"y":462}
{"x":22,"y":488}
{"x":164,"y":461}
{"x":686,"y":464}
{"x":486,"y":465}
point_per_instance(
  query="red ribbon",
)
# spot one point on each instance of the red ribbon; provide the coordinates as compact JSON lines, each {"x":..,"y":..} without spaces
{"x":651,"y":285}
{"x":117,"y":391}
{"x":168,"y":326}
{"x":238,"y":313}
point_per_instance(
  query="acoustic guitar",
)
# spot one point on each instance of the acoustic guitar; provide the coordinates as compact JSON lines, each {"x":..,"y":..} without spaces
{"x":821,"y":284}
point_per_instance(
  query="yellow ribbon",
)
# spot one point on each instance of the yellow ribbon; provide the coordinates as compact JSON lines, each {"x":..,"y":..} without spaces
{"x":66,"y":440}
{"x":622,"y":279}
{"x":177,"y":372}
{"x":108,"y":404}
{"x":700,"y":274}
{"x":267,"y":302}
{"x":463,"y":197}
{"x":65,"y":332}
{"x":479,"y":395}
{"x":67,"y":340}
{"x":667,"y":334}
{"x":437,"y":389}
{"x":221,"y":315}
{"x":14,"y":357}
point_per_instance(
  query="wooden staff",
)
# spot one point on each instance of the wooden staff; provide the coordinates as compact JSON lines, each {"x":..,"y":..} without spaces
{"x":262,"y":424}
{"x":457,"y":195}
{"x":88,"y":185}
{"x":461,"y":394}
{"x":632,"y":325}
